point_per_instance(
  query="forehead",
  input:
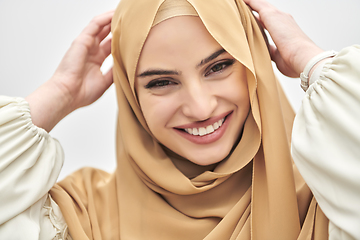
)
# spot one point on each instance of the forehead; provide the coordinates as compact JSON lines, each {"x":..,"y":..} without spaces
{"x":181,"y":37}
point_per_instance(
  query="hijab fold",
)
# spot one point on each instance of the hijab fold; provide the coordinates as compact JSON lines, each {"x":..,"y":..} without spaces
{"x":255,"y":193}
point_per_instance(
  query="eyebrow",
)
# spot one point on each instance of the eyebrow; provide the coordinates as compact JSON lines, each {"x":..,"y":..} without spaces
{"x":152,"y":72}
{"x":211,"y":57}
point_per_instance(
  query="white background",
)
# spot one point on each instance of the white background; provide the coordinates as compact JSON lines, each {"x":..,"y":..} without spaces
{"x":34,"y":36}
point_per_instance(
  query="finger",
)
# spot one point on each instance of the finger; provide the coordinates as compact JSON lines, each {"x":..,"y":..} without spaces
{"x":273,"y":52}
{"x":248,"y":2}
{"x":104,"y":83}
{"x":104,"y":32}
{"x":258,"y":19}
{"x":99,"y":53}
{"x":105,"y":48}
{"x":259,"y":5}
{"x":276,"y":57}
{"x":97,"y":24}
{"x":108,"y":78}
{"x":255,"y":5}
{"x":98,"y":86}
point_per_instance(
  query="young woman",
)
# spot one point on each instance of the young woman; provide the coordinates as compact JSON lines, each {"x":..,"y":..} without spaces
{"x":203,"y":132}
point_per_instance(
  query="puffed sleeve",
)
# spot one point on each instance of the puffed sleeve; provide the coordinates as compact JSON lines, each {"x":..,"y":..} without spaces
{"x":326,"y":142}
{"x":30,"y":163}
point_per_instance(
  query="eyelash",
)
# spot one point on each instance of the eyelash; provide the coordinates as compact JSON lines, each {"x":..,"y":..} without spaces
{"x":224,"y":64}
{"x":161,"y":83}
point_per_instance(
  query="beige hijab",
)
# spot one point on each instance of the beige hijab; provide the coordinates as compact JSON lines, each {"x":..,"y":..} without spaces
{"x":256,"y":193}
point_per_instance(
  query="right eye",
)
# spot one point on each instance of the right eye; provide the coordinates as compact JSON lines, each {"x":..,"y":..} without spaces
{"x":159,"y":83}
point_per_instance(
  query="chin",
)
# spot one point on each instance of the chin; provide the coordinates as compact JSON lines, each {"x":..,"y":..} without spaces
{"x":207,"y":159}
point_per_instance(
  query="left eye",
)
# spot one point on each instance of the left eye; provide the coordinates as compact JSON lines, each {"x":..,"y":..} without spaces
{"x":219,"y":67}
{"x":159,"y":83}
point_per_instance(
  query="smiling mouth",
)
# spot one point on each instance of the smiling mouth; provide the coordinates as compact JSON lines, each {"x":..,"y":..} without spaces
{"x":202,"y":131}
{"x":205,"y":133}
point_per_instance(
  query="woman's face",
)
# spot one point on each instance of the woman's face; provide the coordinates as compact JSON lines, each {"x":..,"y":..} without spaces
{"x":193,"y":94}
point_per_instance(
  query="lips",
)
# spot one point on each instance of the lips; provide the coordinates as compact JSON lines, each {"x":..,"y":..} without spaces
{"x":205,"y":132}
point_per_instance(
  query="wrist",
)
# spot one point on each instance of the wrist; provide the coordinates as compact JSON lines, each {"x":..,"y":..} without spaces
{"x":48,"y":105}
{"x":313,"y":63}
{"x":306,"y":54}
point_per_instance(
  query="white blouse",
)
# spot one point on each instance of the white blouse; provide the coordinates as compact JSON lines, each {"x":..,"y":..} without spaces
{"x":326,"y":142}
{"x":325,"y":148}
{"x":30,"y":163}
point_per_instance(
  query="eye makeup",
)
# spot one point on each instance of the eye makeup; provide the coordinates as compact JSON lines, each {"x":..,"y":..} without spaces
{"x":160,"y":83}
{"x":219,"y":67}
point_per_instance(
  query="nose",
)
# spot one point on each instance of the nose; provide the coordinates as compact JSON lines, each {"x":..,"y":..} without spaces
{"x":199,"y":102}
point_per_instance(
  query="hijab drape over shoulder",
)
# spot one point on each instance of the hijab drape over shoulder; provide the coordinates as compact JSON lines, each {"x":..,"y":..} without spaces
{"x":256,"y":193}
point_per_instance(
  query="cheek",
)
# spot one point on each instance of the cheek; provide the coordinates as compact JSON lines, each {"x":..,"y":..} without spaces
{"x":234,"y":90}
{"x":240,"y":90}
{"x":240,"y":94}
{"x":158,"y":111}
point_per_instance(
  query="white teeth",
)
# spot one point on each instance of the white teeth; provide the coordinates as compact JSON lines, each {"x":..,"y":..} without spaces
{"x":209,"y":129}
{"x":205,"y":130}
{"x":220,"y":122}
{"x":202,"y":131}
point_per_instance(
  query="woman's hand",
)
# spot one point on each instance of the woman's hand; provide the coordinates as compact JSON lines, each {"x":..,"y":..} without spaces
{"x":78,"y":74}
{"x":77,"y":81}
{"x":293,"y":49}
